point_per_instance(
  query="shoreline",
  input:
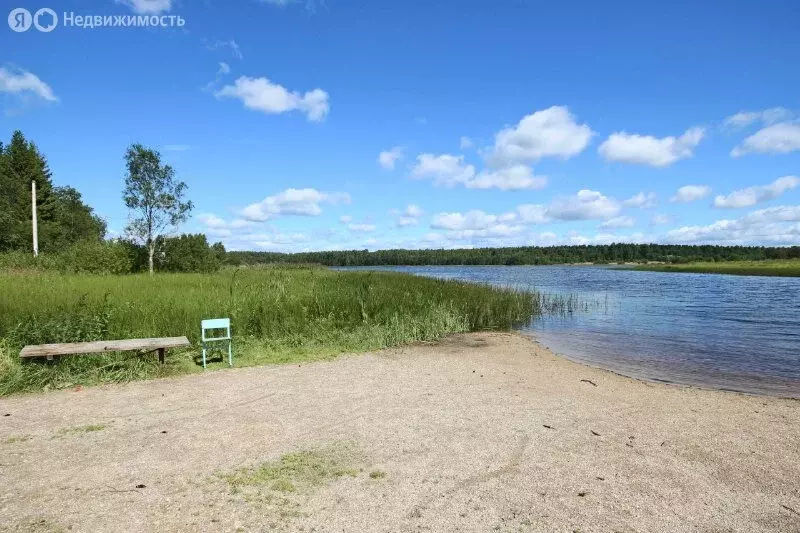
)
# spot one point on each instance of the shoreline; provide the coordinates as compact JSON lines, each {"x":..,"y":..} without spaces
{"x":476,"y":431}
{"x":645,"y":379}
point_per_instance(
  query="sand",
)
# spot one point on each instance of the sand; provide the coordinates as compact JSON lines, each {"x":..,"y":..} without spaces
{"x":481,"y":432}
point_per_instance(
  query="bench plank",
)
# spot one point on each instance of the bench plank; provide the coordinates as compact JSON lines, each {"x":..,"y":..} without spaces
{"x":72,"y":348}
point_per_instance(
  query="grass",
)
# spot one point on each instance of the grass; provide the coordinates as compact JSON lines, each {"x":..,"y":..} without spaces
{"x":278,"y":315}
{"x":17,"y":438}
{"x":788,"y":268}
{"x":297,"y":471}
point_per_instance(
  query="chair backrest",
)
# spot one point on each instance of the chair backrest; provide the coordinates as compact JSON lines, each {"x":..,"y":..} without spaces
{"x":215,"y":323}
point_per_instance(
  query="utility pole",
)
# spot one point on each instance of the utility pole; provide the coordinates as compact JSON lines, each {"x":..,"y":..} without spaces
{"x":35,"y":226}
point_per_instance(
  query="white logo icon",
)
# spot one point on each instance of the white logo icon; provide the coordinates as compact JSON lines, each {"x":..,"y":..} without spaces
{"x":45,"y":20}
{"x":20,"y":19}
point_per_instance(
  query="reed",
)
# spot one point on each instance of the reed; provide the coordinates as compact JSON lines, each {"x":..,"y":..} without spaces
{"x":278,"y":315}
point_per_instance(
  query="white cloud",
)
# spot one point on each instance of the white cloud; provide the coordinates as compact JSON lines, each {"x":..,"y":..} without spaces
{"x":512,"y":178}
{"x":618,"y":222}
{"x":660,"y":220}
{"x":585,"y":205}
{"x":20,"y":82}
{"x":472,"y":220}
{"x":768,"y":116}
{"x":147,"y":7}
{"x":345,"y":219}
{"x":551,"y":132}
{"x":444,"y":169}
{"x":263,"y":95}
{"x":533,"y":214}
{"x":465,"y":143}
{"x":300,"y":202}
{"x":408,"y":217}
{"x":224,"y":68}
{"x":388,"y":158}
{"x":230,"y":43}
{"x":690,"y":193}
{"x":774,"y":225}
{"x":648,"y":150}
{"x":780,"y":138}
{"x":450,"y":170}
{"x":361,"y":228}
{"x":757,"y":194}
{"x":641,"y":200}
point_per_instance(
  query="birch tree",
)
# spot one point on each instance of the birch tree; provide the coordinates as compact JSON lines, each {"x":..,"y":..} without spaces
{"x":153,"y":196}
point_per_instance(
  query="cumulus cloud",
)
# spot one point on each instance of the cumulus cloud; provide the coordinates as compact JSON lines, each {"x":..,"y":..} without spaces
{"x":345,"y":219}
{"x":224,"y":68}
{"x":465,"y":143}
{"x":641,"y":200}
{"x":648,"y":150}
{"x":757,"y":194}
{"x":774,"y":225}
{"x":388,"y":158}
{"x":298,"y":202}
{"x":743,"y":119}
{"x":445,"y":169}
{"x":450,"y":170}
{"x":408,"y":217}
{"x":585,"y":205}
{"x":552,"y":132}
{"x":261,"y":94}
{"x":147,"y":7}
{"x":618,"y":222}
{"x":690,"y":193}
{"x":512,"y":178}
{"x":780,"y":138}
{"x":21,"y":82}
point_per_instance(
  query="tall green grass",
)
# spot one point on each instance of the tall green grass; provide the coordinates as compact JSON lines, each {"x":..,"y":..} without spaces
{"x":785,"y":268}
{"x":278,"y":315}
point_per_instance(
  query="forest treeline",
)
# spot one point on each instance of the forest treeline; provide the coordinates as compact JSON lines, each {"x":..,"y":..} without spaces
{"x":72,"y":237}
{"x":527,"y":255}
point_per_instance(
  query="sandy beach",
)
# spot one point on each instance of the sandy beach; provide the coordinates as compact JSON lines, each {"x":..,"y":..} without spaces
{"x":480,"y":432}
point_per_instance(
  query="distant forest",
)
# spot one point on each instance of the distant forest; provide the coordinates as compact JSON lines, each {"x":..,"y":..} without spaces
{"x":528,"y":255}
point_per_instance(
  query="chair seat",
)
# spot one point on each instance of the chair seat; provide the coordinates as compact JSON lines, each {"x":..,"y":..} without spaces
{"x":217,"y":339}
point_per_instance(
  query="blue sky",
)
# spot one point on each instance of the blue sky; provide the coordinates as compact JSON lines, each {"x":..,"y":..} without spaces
{"x":363,"y":124}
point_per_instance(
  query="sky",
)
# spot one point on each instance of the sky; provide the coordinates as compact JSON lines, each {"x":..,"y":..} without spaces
{"x":366,"y":124}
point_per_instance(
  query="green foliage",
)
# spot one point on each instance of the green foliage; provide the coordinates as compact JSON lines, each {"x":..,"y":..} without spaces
{"x":188,"y":253}
{"x":527,"y":255}
{"x":104,"y":257}
{"x":154,"y":196}
{"x":278,"y":315}
{"x":63,"y":217}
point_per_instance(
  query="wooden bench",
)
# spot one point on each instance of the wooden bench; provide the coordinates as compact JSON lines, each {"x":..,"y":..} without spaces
{"x":73,"y":348}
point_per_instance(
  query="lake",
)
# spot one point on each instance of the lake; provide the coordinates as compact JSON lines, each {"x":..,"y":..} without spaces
{"x":737,"y":333}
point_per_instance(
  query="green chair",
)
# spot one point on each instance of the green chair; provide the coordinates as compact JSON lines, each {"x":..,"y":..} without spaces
{"x":212,"y":325}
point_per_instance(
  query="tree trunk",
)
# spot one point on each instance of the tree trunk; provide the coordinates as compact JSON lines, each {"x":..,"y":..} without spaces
{"x":151,"y":249}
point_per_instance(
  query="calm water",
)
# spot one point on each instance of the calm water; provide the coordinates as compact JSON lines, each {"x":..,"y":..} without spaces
{"x":729,"y":332}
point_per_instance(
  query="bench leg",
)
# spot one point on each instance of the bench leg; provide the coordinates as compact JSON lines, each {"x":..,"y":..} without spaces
{"x":204,"y":355}
{"x":230,"y":353}
{"x":161,"y":355}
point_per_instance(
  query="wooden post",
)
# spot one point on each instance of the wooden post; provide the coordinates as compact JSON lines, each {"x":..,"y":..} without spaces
{"x":35,"y":226}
